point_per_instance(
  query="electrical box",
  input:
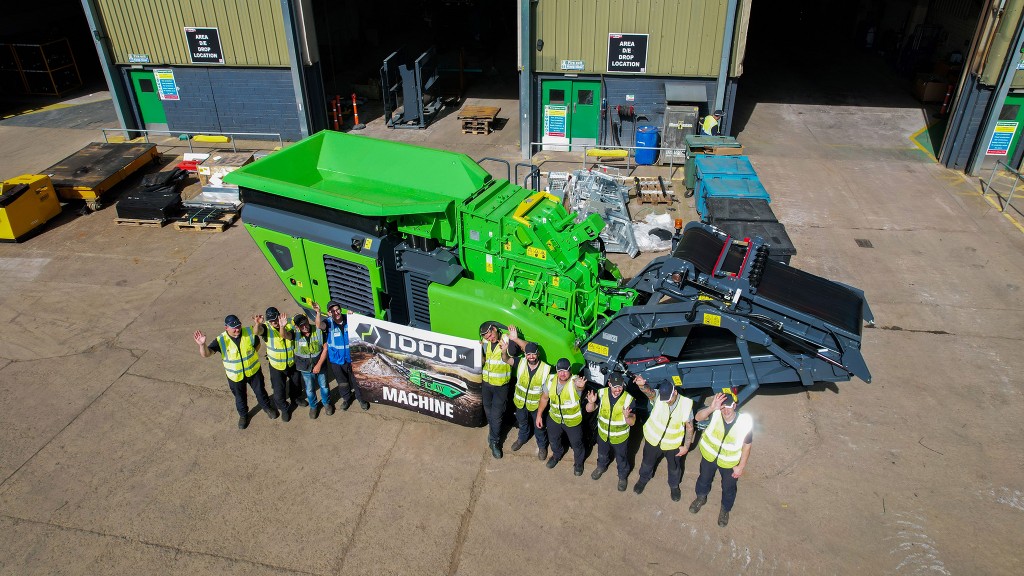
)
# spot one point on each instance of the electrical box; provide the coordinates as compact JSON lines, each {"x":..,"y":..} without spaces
{"x":26,"y":203}
{"x":680,"y":121}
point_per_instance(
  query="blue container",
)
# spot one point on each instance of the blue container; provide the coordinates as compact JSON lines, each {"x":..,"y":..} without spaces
{"x":748,"y":187}
{"x":646,"y":142}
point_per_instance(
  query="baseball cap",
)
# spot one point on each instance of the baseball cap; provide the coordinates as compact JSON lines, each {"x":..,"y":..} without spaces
{"x":532,"y":348}
{"x":717,"y":113}
{"x":665,"y":393}
{"x":332,"y":304}
{"x":300,"y":320}
{"x":486,"y":327}
{"x":730,"y":398}
{"x":616,"y":380}
{"x":232,"y":321}
{"x":563,"y":364}
{"x":272,"y":314}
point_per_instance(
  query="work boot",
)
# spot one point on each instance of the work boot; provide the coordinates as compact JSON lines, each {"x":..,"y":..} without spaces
{"x":542,"y":453}
{"x":723,"y":518}
{"x":313,"y":413}
{"x":597,"y":473}
{"x":243,"y":422}
{"x":516,"y":446}
{"x":638,"y":488}
{"x":345,"y":404}
{"x":286,"y":414}
{"x":271,"y":413}
{"x":698,"y":502}
{"x":329,"y":408}
{"x":577,"y":470}
{"x":552,"y":462}
{"x":496,"y":451}
{"x":676,"y":494}
{"x":303,"y":402}
{"x":622,"y":484}
{"x":366,"y":406}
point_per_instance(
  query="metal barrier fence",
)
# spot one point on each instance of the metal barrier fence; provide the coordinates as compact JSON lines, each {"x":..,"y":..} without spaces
{"x":232,"y":135}
{"x":1013,"y":188}
{"x":629,"y":158}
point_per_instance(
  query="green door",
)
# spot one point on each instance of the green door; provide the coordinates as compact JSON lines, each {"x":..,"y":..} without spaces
{"x":585,"y":112}
{"x":151,"y":109}
{"x":556,"y":96}
{"x":571,"y":113}
{"x":1013,"y":111}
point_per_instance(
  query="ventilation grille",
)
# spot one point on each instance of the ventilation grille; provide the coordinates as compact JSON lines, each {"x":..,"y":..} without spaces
{"x":420,"y":301}
{"x":349,"y":284}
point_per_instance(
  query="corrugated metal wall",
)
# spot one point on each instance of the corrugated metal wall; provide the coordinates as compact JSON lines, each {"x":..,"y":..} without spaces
{"x":685,"y":36}
{"x":251,"y":31}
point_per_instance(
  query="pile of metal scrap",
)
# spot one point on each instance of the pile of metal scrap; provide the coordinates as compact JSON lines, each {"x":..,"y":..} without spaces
{"x":606,"y":195}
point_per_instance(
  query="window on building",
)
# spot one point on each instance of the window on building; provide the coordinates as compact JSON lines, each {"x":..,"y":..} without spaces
{"x":557,"y":96}
{"x":145,"y":84}
{"x":585,"y":97}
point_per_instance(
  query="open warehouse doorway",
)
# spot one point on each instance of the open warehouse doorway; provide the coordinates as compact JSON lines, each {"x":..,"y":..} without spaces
{"x":896,"y":54}
{"x":474,"y":42}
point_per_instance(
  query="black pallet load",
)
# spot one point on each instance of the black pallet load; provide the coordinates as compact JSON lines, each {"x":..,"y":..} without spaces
{"x":746,"y":217}
{"x":157,"y":197}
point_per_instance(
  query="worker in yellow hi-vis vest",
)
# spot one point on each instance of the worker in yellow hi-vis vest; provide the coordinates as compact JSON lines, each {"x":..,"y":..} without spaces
{"x":561,"y":393}
{"x":712,"y":125}
{"x":725,"y":447}
{"x":237,"y":347}
{"x":668,"y":434}
{"x":497,"y":373}
{"x":614,"y":419}
{"x":279,"y":334}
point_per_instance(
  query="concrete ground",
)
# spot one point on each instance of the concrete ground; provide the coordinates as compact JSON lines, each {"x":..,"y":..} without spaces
{"x":119,"y":451}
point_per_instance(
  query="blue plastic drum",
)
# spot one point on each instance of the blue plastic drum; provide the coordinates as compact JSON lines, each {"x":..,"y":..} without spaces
{"x":646,"y":145}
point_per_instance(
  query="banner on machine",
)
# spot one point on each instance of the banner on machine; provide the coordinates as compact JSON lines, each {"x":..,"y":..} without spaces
{"x":419,"y":370}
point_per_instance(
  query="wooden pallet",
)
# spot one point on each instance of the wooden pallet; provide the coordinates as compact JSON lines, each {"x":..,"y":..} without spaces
{"x":648,"y":190}
{"x":219,"y":223}
{"x":478,"y":119}
{"x":140,"y":222}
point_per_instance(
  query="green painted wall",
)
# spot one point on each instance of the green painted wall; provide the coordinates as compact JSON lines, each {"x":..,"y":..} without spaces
{"x":251,"y":31}
{"x":685,"y":36}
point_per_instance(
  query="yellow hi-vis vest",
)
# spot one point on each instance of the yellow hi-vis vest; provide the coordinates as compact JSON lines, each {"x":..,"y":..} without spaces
{"x":725,"y":451}
{"x":309,"y":347}
{"x":495,"y":372}
{"x":664,"y":429}
{"x":709,"y":125}
{"x":527,"y":388}
{"x":239,"y":363}
{"x":611,"y":422}
{"x":564,"y":408}
{"x":280,"y":352}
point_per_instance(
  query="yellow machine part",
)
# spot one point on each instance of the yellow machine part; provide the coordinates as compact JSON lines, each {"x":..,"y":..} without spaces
{"x":211,"y":138}
{"x":24,"y":210}
{"x":606,"y":153}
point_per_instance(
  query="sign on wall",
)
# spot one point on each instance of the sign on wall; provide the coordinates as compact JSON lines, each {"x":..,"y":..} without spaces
{"x":627,"y":53}
{"x":555,"y":120}
{"x":419,"y":370}
{"x":204,"y":45}
{"x":165,"y":85}
{"x":999,"y":145}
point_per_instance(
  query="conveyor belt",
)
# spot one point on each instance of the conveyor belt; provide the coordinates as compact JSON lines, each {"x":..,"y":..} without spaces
{"x":823,"y":299}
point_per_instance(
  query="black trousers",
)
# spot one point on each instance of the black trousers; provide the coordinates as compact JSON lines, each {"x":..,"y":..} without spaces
{"x":258,"y":388}
{"x":495,"y":399}
{"x":285,"y":384}
{"x":575,"y":434}
{"x":707,"y":478}
{"x":606,"y":452}
{"x":346,"y":379}
{"x":651,"y":456}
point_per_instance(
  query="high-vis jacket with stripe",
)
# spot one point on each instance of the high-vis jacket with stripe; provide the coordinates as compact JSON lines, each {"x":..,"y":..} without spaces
{"x":280,"y":351}
{"x":496,"y":371}
{"x":527,"y":387}
{"x":666,"y":425}
{"x":239,"y":361}
{"x":721,"y":448}
{"x":564,"y":408}
{"x":611,"y":422}
{"x":309,"y":347}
